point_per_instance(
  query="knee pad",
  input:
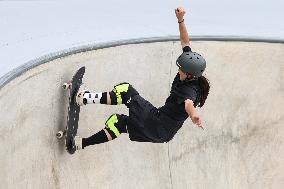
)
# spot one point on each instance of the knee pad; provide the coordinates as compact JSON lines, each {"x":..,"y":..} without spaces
{"x":116,"y":124}
{"x":122,"y":93}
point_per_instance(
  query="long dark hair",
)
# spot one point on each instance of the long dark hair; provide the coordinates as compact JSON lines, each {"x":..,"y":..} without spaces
{"x":204,"y":84}
{"x":205,"y":87}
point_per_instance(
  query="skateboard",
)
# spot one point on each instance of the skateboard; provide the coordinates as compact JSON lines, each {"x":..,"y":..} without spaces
{"x":73,"y":111}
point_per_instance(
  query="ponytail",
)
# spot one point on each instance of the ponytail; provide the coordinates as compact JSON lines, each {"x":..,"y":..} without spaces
{"x":205,"y":87}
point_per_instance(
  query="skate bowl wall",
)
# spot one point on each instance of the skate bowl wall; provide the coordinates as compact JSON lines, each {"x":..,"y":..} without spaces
{"x":242,"y":145}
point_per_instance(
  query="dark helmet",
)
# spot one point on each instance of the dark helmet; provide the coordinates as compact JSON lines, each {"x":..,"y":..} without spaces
{"x":192,"y":63}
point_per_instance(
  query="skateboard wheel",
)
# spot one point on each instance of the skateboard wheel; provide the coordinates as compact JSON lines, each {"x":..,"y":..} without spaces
{"x":59,"y":134}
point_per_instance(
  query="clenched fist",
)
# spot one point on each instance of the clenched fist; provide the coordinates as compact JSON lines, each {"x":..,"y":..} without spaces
{"x":180,"y":12}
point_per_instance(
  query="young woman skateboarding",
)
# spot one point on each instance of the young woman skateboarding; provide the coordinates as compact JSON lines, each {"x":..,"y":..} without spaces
{"x":145,"y":122}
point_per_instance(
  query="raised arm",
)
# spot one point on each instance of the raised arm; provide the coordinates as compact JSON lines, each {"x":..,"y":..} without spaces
{"x":184,"y":38}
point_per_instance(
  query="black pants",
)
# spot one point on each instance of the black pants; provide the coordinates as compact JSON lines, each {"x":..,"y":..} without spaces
{"x":145,"y":123}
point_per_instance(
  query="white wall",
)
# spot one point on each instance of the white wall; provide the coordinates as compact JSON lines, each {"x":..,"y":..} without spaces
{"x":30,"y":29}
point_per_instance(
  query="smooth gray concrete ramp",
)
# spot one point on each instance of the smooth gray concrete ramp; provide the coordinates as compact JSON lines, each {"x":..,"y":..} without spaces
{"x":242,"y":145}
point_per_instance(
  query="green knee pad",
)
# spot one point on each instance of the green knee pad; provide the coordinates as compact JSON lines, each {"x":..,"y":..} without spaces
{"x":111,"y":124}
{"x":118,"y":90}
{"x":122,"y":93}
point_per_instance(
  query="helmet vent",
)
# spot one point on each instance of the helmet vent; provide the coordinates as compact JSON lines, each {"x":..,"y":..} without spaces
{"x":197,"y":57}
{"x":187,"y":54}
{"x":190,"y":57}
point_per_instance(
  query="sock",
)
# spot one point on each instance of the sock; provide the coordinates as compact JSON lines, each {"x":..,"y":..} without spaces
{"x":96,"y":98}
{"x":99,"y":137}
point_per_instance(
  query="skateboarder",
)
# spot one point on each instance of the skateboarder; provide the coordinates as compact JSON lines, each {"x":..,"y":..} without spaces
{"x":145,"y":122}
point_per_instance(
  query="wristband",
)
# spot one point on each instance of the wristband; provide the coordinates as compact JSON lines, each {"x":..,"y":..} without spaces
{"x":181,"y":21}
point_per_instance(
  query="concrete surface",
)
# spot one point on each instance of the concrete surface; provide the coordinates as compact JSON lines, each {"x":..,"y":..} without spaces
{"x":242,"y":145}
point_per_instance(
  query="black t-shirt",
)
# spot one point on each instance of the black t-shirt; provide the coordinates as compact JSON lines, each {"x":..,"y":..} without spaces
{"x":181,"y":91}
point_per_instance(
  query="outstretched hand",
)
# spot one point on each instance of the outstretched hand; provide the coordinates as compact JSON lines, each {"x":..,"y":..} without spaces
{"x":180,"y":12}
{"x":197,"y":121}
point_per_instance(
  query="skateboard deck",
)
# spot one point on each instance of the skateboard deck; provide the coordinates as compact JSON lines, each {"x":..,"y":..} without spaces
{"x":73,"y":111}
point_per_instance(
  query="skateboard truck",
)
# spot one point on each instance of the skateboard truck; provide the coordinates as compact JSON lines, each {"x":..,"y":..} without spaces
{"x":67,"y":86}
